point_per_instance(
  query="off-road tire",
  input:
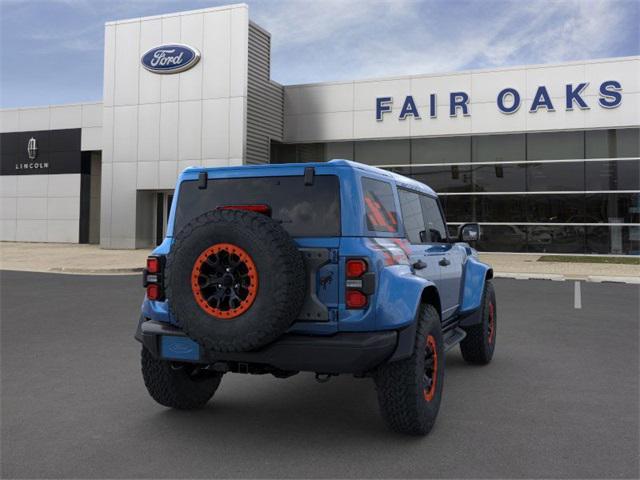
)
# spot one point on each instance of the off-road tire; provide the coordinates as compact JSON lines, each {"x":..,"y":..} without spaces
{"x":400,"y":385}
{"x":174,"y":385}
{"x":281,"y":280}
{"x":479,"y":344}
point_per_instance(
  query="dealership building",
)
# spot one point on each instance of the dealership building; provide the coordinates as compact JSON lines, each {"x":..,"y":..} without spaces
{"x":544,"y":157}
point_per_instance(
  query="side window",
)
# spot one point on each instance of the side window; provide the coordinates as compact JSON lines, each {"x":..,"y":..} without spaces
{"x":435,"y":228}
{"x":412,"y":216}
{"x":379,"y":206}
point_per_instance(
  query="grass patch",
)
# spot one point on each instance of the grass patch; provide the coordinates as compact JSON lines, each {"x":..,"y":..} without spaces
{"x":585,"y":259}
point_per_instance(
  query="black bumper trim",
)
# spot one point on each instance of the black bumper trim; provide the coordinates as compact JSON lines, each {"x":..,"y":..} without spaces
{"x":344,"y":352}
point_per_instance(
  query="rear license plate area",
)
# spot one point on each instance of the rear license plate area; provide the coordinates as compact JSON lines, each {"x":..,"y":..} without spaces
{"x":179,"y":348}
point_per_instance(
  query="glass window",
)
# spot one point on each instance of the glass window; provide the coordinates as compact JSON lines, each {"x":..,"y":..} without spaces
{"x":567,"y":208}
{"x":380,"y":206}
{"x":341,"y":150}
{"x":383,"y":152}
{"x":502,"y":238}
{"x":614,"y":240}
{"x":499,"y":148}
{"x":499,"y":178}
{"x":501,"y":208}
{"x":624,"y":142}
{"x":555,"y":145}
{"x":412,"y":217}
{"x":556,"y":239}
{"x":303,"y":210}
{"x":434,"y":223}
{"x":613,"y":175}
{"x":452,"y":178}
{"x":458,"y":208}
{"x":543,"y":177}
{"x":613,"y":208}
{"x":440,"y":150}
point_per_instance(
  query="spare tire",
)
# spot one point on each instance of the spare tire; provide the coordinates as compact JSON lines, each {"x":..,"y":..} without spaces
{"x":235,"y":280}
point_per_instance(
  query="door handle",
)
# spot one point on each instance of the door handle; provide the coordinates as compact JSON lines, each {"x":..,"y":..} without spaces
{"x":419,"y":265}
{"x":444,"y":262}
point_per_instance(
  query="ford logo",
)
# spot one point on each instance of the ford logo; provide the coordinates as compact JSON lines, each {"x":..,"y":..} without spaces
{"x":172,"y":58}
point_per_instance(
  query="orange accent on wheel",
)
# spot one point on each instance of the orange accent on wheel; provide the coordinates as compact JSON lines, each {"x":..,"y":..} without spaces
{"x":224,"y":281}
{"x":431,"y":370}
{"x":492,"y":323}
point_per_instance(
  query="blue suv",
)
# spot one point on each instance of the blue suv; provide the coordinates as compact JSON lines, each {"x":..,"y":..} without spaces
{"x":331,"y":268}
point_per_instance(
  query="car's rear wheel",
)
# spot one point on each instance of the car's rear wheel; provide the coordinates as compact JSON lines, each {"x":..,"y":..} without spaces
{"x":182,"y":386}
{"x":480,"y":342}
{"x":410,"y":390}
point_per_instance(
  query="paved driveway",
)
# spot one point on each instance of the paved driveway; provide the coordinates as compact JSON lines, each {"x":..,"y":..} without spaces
{"x":559,"y":400}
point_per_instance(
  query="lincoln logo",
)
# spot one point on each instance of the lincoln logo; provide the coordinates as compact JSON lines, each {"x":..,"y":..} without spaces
{"x":32,"y":149}
{"x":170,"y":58}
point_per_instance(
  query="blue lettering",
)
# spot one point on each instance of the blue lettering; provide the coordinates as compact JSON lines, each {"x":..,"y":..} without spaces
{"x":505,"y":93}
{"x":409,"y":108}
{"x":573,"y":95}
{"x":433,"y":106}
{"x":458,"y":99}
{"x":542,"y":99}
{"x":383,"y":104}
{"x":610,"y":96}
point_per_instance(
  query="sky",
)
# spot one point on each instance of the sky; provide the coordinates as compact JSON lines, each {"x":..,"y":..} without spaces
{"x":51,"y":51}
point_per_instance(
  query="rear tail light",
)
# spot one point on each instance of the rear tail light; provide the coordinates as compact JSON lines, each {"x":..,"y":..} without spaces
{"x":360,"y":283}
{"x":153,"y":291}
{"x":152,"y":278}
{"x":356,"y":267}
{"x":153,"y":265}
{"x":259,"y":208}
{"x":356,"y":299}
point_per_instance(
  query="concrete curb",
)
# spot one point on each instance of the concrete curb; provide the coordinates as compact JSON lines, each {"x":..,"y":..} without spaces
{"x":562,"y":278}
{"x":95,"y":271}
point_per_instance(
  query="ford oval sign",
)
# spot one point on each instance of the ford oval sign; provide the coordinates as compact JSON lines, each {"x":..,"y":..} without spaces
{"x":172,"y":58}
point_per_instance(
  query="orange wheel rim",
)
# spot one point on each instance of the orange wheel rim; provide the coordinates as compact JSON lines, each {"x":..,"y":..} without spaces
{"x":430,"y":369}
{"x":492,"y":323}
{"x":224,"y":280}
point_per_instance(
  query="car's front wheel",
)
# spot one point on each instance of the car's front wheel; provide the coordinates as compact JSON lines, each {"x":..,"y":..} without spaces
{"x":480,"y":342}
{"x":410,"y":390}
{"x":182,"y":386}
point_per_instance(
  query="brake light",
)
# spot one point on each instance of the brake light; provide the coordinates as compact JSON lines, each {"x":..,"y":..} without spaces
{"x":356,"y":299}
{"x":259,"y":208}
{"x":153,"y":265}
{"x":152,"y":278}
{"x":360,"y":283}
{"x":356,"y":268}
{"x":153,"y":291}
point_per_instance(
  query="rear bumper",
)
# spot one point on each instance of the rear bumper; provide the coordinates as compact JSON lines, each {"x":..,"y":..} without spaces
{"x":344,"y":352}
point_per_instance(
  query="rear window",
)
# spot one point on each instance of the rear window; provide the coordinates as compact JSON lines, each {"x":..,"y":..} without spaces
{"x":303,"y":210}
{"x":380,"y":206}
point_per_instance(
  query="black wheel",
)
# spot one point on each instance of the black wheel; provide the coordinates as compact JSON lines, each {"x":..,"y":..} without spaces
{"x":480,"y":342}
{"x":235,"y":280}
{"x":410,"y":390}
{"x":178,"y":385}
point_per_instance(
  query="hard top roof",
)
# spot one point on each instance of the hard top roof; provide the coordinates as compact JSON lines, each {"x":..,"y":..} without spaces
{"x":400,"y":180}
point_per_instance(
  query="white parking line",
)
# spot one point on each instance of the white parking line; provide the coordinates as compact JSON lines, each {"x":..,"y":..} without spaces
{"x":577,"y":296}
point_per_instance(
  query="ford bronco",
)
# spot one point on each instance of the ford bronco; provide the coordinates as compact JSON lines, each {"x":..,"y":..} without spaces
{"x":330,"y":268}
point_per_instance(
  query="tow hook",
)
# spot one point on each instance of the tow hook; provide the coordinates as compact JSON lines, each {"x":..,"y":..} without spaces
{"x":323,"y":377}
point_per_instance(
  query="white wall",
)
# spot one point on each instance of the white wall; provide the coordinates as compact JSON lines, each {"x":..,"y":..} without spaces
{"x":40,"y":208}
{"x":346,"y":110}
{"x":154,"y":125}
{"x":87,"y":116}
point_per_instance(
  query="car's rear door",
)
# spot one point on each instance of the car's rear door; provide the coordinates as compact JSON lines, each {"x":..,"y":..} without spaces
{"x":449,"y":256}
{"x":424,"y":264}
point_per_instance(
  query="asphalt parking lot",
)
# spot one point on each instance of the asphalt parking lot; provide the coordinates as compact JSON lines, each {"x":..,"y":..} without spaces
{"x":559,"y":400}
